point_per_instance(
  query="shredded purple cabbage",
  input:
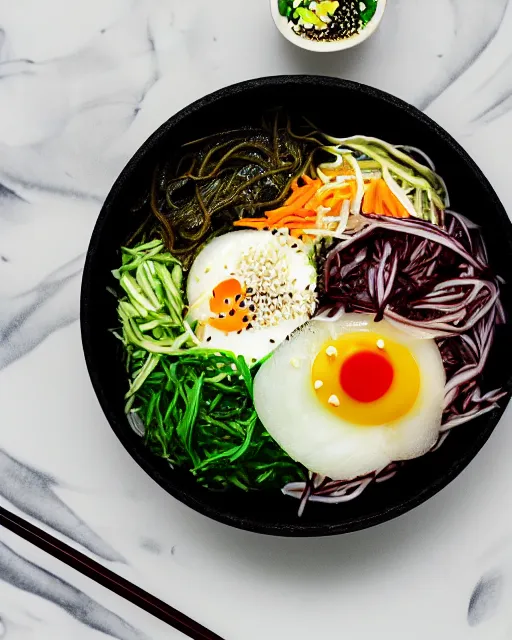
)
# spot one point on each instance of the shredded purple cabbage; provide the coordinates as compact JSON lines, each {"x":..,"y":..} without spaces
{"x":432,"y":282}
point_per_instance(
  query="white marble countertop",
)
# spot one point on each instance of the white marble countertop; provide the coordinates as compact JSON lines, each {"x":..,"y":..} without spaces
{"x":81,"y":87}
{"x":44,"y":599}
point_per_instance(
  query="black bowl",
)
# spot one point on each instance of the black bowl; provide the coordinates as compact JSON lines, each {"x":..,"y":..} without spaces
{"x":341,"y":108}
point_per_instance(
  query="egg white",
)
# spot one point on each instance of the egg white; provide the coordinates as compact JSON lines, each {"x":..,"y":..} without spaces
{"x":218,"y":262}
{"x":312,"y":435}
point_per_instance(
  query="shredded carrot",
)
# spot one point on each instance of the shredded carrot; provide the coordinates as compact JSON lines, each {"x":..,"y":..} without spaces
{"x":299,"y":211}
{"x":380,"y":200}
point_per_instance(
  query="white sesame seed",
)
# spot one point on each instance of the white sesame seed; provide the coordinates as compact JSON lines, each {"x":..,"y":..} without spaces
{"x":295,"y":363}
{"x":332,"y":352}
{"x":334,"y":401}
{"x":318,"y":384}
{"x":381,"y":344}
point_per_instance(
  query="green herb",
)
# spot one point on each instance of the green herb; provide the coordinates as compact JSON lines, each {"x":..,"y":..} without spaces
{"x":198,"y":413}
{"x":368,"y":13}
{"x":285,"y":8}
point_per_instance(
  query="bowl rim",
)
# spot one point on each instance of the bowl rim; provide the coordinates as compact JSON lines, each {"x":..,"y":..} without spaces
{"x":132,"y":443}
{"x":283,"y":27}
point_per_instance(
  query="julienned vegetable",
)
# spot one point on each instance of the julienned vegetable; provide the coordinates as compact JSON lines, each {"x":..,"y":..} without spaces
{"x":419,"y":189}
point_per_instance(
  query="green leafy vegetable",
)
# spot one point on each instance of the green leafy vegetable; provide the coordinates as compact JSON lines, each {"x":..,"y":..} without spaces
{"x":198,"y":413}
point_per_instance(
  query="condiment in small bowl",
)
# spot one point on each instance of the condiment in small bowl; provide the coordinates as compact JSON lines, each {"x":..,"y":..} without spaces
{"x":327,"y":26}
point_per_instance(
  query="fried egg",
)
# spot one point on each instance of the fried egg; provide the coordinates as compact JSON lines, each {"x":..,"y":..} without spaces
{"x":349,"y":397}
{"x":249,"y":290}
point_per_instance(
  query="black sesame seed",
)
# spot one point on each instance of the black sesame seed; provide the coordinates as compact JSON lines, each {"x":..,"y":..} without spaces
{"x":226,"y":300}
{"x":208,"y":339}
{"x":237,"y":297}
{"x":249,"y":326}
{"x":239,"y":332}
{"x":290,"y":294}
{"x":250,"y":290}
{"x":245,"y":319}
{"x":242,"y":305}
{"x":274,"y":231}
{"x":222,"y":315}
{"x":232,"y":312}
{"x":294,"y":245}
{"x":213,"y":294}
{"x":272,"y":341}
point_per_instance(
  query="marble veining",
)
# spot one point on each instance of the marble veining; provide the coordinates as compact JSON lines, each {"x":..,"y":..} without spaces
{"x":33,"y":493}
{"x":81,"y":87}
{"x":43,"y":599}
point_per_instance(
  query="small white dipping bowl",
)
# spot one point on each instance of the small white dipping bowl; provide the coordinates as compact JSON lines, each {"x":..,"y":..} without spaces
{"x":286,"y":30}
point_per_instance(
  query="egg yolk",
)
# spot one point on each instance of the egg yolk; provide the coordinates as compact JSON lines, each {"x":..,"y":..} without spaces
{"x":366,"y":376}
{"x":228,"y":303}
{"x":366,"y":379}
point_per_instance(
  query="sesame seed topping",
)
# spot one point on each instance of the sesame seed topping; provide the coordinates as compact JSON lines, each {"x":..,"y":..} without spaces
{"x":318,"y":384}
{"x":245,"y":319}
{"x":295,"y":363}
{"x":232,"y":312}
{"x":272,"y":295}
{"x":381,"y":344}
{"x":208,"y":339}
{"x":332,"y":352}
{"x":272,"y":340}
{"x":334,"y":401}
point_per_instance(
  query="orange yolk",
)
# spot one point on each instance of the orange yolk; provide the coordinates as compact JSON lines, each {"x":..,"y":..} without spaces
{"x":366,"y":379}
{"x":228,"y":303}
